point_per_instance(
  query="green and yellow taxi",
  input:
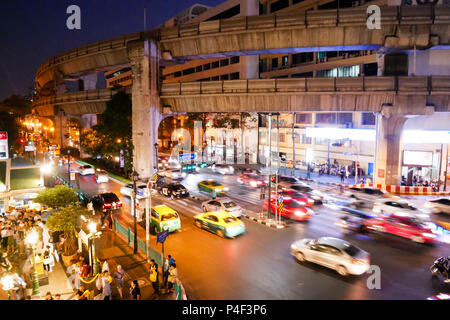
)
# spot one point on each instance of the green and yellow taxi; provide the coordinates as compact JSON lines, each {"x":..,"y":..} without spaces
{"x":221,"y":223}
{"x":212,"y":185}
{"x":164,"y":217}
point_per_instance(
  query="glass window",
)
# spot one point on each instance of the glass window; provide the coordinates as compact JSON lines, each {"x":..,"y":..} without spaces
{"x":154,"y":214}
{"x":229,"y":205}
{"x":303,"y":118}
{"x":282,"y":137}
{"x":198,"y":68}
{"x":321,"y":141}
{"x":285,"y":61}
{"x":188,"y":71}
{"x":224,"y":77}
{"x":368,"y":118}
{"x":328,"y":118}
{"x":234,"y":60}
{"x":274,"y":63}
{"x":172,"y":215}
{"x":344,"y":118}
{"x":207,"y":66}
{"x":234,"y":76}
{"x":223,"y":62}
{"x":216,"y":78}
{"x":215,"y":64}
{"x":177,"y":74}
{"x":230,"y":219}
{"x":351,"y":250}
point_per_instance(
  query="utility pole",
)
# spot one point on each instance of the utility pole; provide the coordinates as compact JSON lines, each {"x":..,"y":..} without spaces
{"x":68,"y":165}
{"x":148,"y":206}
{"x":293,"y":145}
{"x":135,"y":244}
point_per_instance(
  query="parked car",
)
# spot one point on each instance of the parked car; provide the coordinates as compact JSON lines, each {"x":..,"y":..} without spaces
{"x":333,"y":253}
{"x":101,"y":176}
{"x":85,"y":170}
{"x":398,"y":205}
{"x":251,"y":179}
{"x":224,"y":204}
{"x":292,"y":209}
{"x":106,"y":201}
{"x":141,"y":189}
{"x":441,"y":205}
{"x":173,"y":190}
{"x":402,"y":225}
{"x":222,"y":168}
{"x":221,"y":223}
{"x":365,"y":197}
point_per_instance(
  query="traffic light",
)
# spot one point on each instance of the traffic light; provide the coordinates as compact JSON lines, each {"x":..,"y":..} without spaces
{"x":22,"y":141}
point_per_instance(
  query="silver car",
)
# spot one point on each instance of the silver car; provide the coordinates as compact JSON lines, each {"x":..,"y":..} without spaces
{"x":222,"y":168}
{"x":332,"y":253}
{"x":223,"y":204}
{"x":399,"y":206}
{"x":365,"y":197}
{"x":174,"y":174}
{"x":439,"y":205}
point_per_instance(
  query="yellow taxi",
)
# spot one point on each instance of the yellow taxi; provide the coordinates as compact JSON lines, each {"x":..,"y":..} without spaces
{"x":221,"y":223}
{"x":164,"y":217}
{"x":212,"y":185}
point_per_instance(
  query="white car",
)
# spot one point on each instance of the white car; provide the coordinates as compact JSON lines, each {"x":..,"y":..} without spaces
{"x":332,"y":253}
{"x":101,"y":176}
{"x":85,"y":170}
{"x":222,"y":168}
{"x":439,"y":205}
{"x":223,"y":204}
{"x":365,"y":197}
{"x":174,"y":174}
{"x":399,"y":206}
{"x":141,"y":190}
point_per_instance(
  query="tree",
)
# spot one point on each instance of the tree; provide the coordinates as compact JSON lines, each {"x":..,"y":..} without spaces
{"x":16,"y":104}
{"x":67,"y":220}
{"x":57,"y":197}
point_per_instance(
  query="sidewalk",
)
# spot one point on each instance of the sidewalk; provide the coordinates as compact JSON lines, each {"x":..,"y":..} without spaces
{"x":56,"y":282}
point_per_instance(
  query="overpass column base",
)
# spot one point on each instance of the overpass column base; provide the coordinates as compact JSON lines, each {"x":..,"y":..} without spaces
{"x":144,"y":58}
{"x":388,"y":149}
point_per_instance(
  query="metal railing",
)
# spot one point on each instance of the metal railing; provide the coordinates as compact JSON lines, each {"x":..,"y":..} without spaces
{"x":397,"y":84}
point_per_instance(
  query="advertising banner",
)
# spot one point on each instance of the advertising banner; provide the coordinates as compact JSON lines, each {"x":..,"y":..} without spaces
{"x":4,"y":145}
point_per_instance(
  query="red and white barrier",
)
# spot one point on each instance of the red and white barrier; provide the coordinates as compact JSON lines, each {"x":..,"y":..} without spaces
{"x":398,"y":189}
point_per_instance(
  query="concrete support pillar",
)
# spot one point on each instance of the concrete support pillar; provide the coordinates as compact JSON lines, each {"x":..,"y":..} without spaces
{"x":380,"y":63}
{"x":388,"y":149}
{"x":60,"y":128}
{"x":144,"y":58}
{"x":87,"y":121}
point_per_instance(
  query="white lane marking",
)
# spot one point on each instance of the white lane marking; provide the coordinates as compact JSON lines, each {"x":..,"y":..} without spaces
{"x":182,"y":202}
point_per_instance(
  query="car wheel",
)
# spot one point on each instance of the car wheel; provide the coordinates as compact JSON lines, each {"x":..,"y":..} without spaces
{"x":198,"y":224}
{"x":300,"y":256}
{"x":220,"y":233}
{"x":155,"y":230}
{"x":417,"y":239}
{"x":342,"y":271}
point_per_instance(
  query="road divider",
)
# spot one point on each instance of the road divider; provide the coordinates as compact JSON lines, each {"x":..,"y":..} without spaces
{"x":116,"y":178}
{"x":407,"y":190}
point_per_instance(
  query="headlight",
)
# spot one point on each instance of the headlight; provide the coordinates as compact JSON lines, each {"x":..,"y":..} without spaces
{"x":299,"y":213}
{"x":315,"y":197}
{"x":253,"y":184}
{"x":302,"y":203}
{"x":226,"y":189}
{"x":429,"y":235}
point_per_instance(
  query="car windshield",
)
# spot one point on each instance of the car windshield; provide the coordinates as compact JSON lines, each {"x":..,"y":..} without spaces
{"x":229,"y":205}
{"x":302,"y":188}
{"x":408,"y":206}
{"x":86,"y":167}
{"x":230,"y":219}
{"x":293,"y":204}
{"x":177,"y":187}
{"x":110,"y":197}
{"x":214,"y":184}
{"x":142,"y":187}
{"x":296,"y":195}
{"x":351,"y":250}
{"x":169,"y":216}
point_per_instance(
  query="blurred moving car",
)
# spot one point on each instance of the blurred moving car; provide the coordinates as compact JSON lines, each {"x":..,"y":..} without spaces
{"x":106,"y":201}
{"x":366,"y":196}
{"x":288,"y":194}
{"x":174,"y":174}
{"x":224,"y":204}
{"x":101,"y":176}
{"x":85,"y":170}
{"x":221,"y":223}
{"x":353,"y":220}
{"x":251,"y":179}
{"x":302,"y":187}
{"x":398,"y":205}
{"x":222,"y":168}
{"x":292,"y":209}
{"x":402,"y":225}
{"x":332,"y":253}
{"x":441,"y":205}
{"x":173,"y":190}
{"x":164,"y":218}
{"x":286,"y":181}
{"x":212,"y":185}
{"x":141,"y":189}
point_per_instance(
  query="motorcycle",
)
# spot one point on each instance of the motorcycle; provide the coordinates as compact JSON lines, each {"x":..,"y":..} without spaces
{"x":439,"y":268}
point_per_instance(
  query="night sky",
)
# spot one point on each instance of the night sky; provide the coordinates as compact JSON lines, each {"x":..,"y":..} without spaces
{"x":32,"y":31}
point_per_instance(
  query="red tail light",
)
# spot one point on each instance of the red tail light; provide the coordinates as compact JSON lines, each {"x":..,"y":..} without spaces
{"x":119,"y":202}
{"x":107,"y":204}
{"x":357,"y":261}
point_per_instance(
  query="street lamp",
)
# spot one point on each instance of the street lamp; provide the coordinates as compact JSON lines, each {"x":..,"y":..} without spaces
{"x":93,"y":235}
{"x":135,"y":177}
{"x":32,"y":239}
{"x":8,"y":284}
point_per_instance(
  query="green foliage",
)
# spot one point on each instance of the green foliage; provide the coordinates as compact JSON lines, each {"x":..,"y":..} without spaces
{"x":17,"y":104}
{"x":67,"y":220}
{"x":57,"y":197}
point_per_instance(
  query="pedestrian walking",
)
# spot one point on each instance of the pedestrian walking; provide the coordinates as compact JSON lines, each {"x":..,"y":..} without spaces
{"x":119,"y":276}
{"x":135,"y":291}
{"x":173,"y":275}
{"x":48,"y":259}
{"x":154,"y":277}
{"x":106,"y":285}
